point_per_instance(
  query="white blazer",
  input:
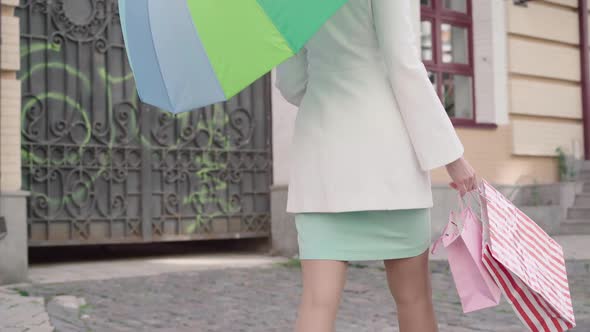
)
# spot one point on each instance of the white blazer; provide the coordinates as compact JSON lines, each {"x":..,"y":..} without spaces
{"x":370,"y":125}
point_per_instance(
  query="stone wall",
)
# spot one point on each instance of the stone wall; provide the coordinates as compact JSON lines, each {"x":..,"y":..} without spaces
{"x":13,"y":247}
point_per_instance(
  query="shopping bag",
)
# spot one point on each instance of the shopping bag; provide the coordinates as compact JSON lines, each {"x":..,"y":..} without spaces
{"x":476,"y":287}
{"x":526,"y":263}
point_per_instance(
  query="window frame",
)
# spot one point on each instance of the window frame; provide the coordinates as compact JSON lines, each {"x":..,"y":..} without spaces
{"x":437,"y":14}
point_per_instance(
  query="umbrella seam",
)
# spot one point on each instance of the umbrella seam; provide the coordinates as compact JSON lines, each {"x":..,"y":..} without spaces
{"x":153,"y":44}
{"x":196,"y":29}
{"x":261,"y":8}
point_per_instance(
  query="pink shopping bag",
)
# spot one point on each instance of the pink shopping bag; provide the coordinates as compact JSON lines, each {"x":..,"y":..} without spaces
{"x":526,"y":263}
{"x":475,"y":286}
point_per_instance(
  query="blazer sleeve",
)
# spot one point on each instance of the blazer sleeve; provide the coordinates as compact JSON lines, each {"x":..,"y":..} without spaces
{"x":432,"y":134}
{"x":292,"y":77}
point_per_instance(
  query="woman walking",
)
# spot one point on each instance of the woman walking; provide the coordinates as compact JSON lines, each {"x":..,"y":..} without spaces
{"x":370,"y":127}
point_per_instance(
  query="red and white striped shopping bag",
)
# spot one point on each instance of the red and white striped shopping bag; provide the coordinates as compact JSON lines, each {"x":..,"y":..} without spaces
{"x":526,"y":263}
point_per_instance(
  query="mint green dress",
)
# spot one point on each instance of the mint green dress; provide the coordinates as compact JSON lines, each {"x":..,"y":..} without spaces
{"x":363,"y":235}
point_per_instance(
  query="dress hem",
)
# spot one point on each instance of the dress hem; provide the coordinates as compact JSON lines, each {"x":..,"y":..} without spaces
{"x":368,"y":256}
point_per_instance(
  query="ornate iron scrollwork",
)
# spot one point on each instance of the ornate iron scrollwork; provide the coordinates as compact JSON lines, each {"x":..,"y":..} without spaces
{"x":102,"y":167}
{"x":82,"y":20}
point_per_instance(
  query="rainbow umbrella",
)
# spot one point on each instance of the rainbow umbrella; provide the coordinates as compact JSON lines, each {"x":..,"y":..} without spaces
{"x":187,"y":54}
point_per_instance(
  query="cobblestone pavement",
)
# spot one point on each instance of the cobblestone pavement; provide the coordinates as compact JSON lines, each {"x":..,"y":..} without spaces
{"x":21,"y":312}
{"x":265,"y":298}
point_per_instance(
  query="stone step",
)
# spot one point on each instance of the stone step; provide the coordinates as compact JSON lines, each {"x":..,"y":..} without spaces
{"x":584,"y":175}
{"x":582,"y":200}
{"x":586,"y":187}
{"x":576,"y":221}
{"x":574,"y":227}
{"x":578,"y":213}
{"x":585,"y":165}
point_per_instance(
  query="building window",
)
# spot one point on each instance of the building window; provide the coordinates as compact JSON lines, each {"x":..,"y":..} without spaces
{"x":447,"y":53}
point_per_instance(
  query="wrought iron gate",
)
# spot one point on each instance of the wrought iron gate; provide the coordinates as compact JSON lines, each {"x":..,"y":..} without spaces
{"x":104,"y":168}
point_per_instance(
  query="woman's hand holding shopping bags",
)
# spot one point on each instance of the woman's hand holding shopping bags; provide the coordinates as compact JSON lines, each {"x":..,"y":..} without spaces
{"x":463,"y":175}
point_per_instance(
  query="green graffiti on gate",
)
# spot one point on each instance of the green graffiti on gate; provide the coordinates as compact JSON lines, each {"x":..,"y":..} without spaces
{"x":198,"y":198}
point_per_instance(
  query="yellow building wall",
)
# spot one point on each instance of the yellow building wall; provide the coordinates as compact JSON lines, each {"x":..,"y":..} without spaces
{"x":490,"y":152}
{"x":10,"y":100}
{"x":544,"y":98}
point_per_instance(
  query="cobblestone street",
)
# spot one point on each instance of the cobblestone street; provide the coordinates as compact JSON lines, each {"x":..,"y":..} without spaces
{"x":264,"y":298}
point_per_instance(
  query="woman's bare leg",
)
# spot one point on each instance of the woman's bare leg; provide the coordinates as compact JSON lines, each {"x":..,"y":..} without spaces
{"x":409,"y":283}
{"x":323,"y":281}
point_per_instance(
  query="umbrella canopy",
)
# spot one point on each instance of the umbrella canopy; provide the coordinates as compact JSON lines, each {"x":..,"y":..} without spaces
{"x":186,"y":54}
